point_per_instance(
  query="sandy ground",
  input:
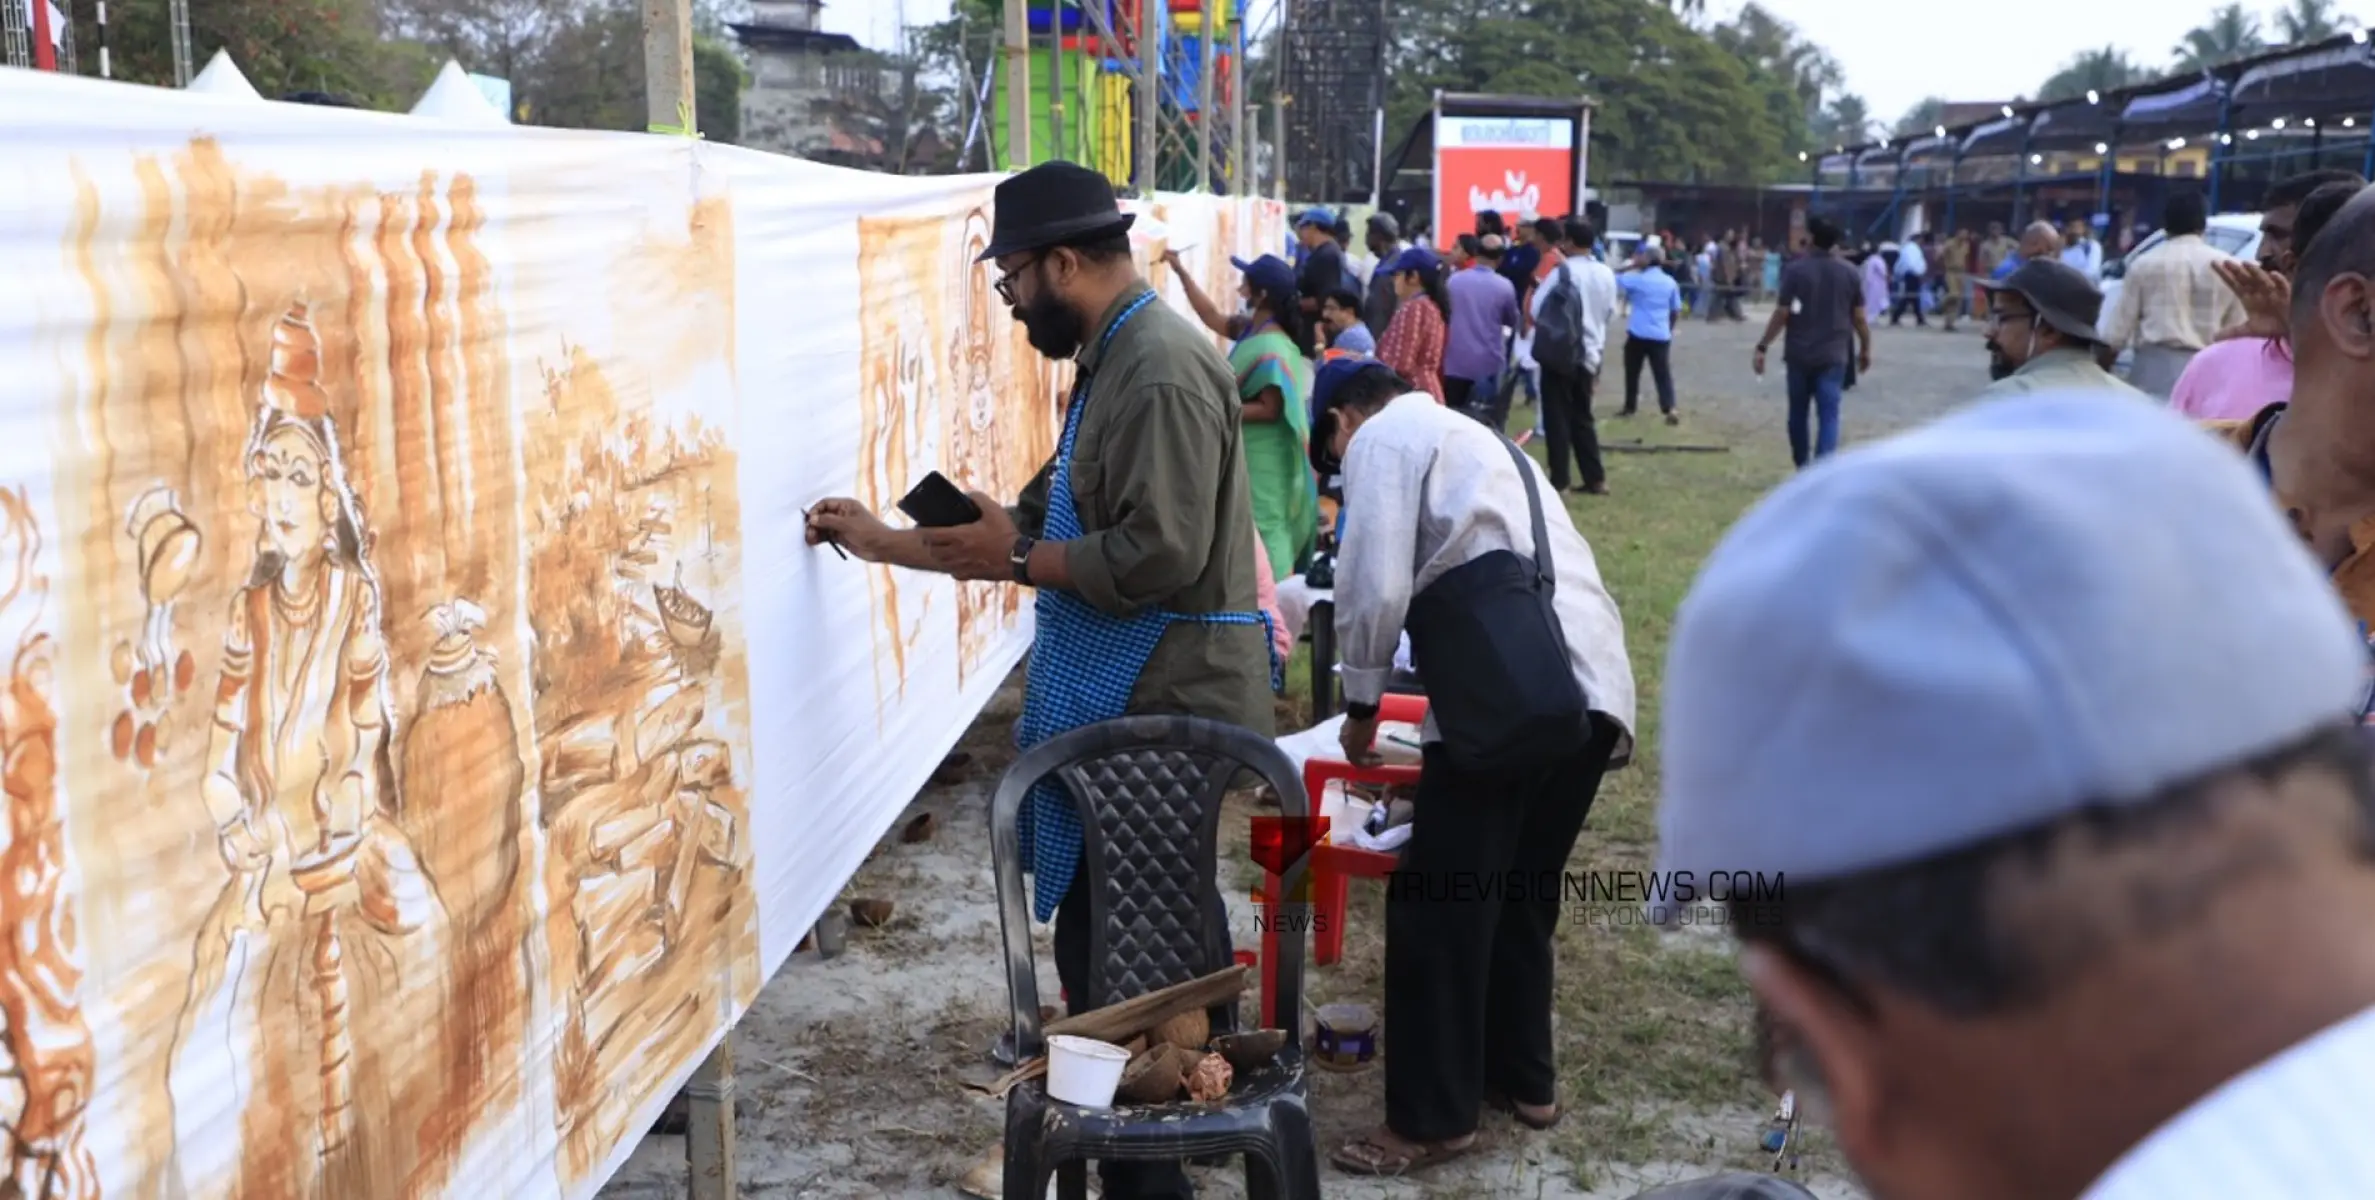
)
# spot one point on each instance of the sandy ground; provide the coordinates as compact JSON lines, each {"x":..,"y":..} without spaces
{"x":850,"y":1070}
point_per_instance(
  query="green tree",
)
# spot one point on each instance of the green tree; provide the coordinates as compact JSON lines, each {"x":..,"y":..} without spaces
{"x":1792,"y":74}
{"x":2100,"y":70}
{"x":2308,"y":21}
{"x":588,"y":74}
{"x":1773,"y":46}
{"x":718,"y":80}
{"x":1921,"y":118}
{"x":2229,"y":34}
{"x":1672,"y":103}
{"x":282,"y":46}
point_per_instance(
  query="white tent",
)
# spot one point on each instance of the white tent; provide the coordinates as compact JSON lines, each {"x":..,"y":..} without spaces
{"x":454,"y":98}
{"x":222,"y":78}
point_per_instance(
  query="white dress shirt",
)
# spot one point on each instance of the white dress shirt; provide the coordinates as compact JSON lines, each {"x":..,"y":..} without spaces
{"x":1428,"y":488}
{"x":2086,"y":258}
{"x":2293,"y":1127}
{"x":1597,"y":285}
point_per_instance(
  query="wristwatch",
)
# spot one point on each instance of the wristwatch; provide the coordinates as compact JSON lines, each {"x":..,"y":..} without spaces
{"x":1361,"y":712}
{"x":1021,"y":559}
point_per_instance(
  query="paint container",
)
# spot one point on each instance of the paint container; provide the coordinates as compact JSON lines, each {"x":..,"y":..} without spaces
{"x":1083,"y":1071}
{"x":1344,"y":1037}
{"x":832,"y":934}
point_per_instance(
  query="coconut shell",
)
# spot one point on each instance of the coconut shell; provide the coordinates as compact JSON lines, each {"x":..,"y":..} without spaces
{"x":1190,"y":1029}
{"x":871,"y":913}
{"x":1250,"y":1051}
{"x":920,"y":829}
{"x":1210,"y":1079}
{"x":1150,"y":1078}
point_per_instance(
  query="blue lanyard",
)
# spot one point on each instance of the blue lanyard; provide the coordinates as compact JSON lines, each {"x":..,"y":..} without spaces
{"x":1080,"y":390}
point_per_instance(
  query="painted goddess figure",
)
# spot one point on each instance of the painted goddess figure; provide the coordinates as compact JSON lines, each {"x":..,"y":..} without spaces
{"x":313,"y":1015}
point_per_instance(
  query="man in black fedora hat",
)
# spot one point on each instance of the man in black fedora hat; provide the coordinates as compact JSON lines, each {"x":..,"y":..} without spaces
{"x":1139,"y":535}
{"x":2041,"y":333}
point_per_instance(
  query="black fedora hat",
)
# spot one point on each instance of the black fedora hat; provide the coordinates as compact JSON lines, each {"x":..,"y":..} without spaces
{"x":1056,"y":203}
{"x":2062,"y":297}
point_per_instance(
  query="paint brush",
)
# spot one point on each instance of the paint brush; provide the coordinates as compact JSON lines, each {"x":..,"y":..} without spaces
{"x":809,"y":514}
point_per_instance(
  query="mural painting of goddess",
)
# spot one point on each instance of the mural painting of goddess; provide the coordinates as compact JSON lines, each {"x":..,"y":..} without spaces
{"x":326,"y":928}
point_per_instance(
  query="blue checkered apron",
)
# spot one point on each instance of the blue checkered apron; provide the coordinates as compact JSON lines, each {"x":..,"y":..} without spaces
{"x":1084,"y":665}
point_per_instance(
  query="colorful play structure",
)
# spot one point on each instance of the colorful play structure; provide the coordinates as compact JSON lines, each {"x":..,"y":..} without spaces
{"x":1084,"y":61}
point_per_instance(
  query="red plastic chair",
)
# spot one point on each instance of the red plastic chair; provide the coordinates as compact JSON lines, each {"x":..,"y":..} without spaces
{"x":1333,"y":867}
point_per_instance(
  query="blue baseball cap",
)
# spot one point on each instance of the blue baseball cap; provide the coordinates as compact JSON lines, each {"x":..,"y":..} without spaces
{"x":2030,"y":608}
{"x":1416,"y":258}
{"x":1331,"y":376}
{"x":1333,"y":373}
{"x":1269,"y":273}
{"x":1315,"y":216}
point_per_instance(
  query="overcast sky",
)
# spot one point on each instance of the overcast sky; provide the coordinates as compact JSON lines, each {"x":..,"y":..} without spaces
{"x":1894,"y":52}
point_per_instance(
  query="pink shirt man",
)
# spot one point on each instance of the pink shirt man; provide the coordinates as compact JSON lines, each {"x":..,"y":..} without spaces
{"x":2233,"y":380}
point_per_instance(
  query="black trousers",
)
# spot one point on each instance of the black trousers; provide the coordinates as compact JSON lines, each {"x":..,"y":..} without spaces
{"x":1468,"y":924}
{"x":1116,"y":1180}
{"x":1567,"y":422}
{"x":1479,"y":398}
{"x":1908,"y":301}
{"x":1658,"y":355}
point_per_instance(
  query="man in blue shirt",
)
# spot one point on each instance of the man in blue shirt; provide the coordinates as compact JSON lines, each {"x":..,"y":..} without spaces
{"x":2039,"y":240}
{"x":1476,"y":344}
{"x":1653,"y":301}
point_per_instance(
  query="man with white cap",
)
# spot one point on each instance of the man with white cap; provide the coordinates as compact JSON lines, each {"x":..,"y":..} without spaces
{"x":2060,"y":824}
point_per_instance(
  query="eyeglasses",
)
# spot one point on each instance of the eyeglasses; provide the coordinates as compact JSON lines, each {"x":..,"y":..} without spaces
{"x":1998,"y":318}
{"x":1005,"y":284}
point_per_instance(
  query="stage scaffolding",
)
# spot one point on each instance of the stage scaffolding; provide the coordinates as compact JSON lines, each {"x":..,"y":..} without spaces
{"x":1149,"y":92}
{"x":1334,"y":83}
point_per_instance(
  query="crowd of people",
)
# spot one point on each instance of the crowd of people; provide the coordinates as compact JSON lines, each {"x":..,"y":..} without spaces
{"x":2057,"y":790}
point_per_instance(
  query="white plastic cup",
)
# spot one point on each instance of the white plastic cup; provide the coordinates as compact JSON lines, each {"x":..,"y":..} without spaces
{"x":1084,"y":1071}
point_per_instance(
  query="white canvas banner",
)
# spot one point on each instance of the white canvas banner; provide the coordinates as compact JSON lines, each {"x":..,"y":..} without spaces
{"x":424,"y":727}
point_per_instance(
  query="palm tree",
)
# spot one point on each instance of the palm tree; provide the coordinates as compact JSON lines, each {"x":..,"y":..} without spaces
{"x":1759,"y":38}
{"x":1845,"y":123}
{"x":2230,"y":34}
{"x":2308,"y":21}
{"x":2092,"y":71}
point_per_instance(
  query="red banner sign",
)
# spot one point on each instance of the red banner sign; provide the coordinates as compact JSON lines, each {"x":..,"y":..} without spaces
{"x":1509,"y":165}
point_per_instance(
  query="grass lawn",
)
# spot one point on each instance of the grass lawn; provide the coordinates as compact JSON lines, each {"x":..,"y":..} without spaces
{"x":1653,"y":1031}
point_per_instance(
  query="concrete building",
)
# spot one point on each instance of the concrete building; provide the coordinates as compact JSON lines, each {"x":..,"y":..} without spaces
{"x":813,"y":94}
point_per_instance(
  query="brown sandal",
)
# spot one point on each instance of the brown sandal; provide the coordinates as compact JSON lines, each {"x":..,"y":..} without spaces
{"x":1369,"y":1155}
{"x":1501,"y":1101}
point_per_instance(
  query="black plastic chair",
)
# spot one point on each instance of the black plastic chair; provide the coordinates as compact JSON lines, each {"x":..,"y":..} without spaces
{"x":1148,"y":790}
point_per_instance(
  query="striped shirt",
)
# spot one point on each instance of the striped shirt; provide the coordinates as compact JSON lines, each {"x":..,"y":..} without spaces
{"x":2292,"y":1127}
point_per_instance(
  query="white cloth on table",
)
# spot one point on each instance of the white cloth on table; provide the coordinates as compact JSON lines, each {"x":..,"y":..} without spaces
{"x":1295,"y":598}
